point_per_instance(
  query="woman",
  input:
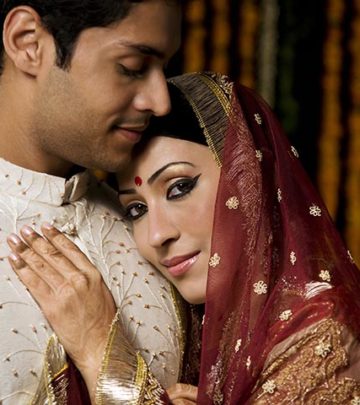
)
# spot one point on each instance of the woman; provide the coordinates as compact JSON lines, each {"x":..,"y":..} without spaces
{"x":282,"y":307}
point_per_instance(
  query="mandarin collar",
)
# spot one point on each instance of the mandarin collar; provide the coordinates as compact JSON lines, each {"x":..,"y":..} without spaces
{"x":41,"y":187}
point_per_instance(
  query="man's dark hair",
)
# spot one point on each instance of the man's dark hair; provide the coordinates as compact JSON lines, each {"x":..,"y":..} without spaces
{"x":65,"y":19}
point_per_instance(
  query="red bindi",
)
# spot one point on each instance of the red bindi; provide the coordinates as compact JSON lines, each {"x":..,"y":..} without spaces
{"x":138,"y":181}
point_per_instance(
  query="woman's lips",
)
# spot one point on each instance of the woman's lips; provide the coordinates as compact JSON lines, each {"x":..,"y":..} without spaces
{"x":179,"y":265}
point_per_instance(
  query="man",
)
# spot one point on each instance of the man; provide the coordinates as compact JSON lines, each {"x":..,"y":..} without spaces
{"x":79,"y":82}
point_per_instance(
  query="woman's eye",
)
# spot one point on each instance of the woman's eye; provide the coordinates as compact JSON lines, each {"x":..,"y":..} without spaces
{"x":135,"y":211}
{"x":181,"y":187}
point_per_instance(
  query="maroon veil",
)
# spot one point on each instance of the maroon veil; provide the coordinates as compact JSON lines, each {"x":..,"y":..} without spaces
{"x":282,"y":320}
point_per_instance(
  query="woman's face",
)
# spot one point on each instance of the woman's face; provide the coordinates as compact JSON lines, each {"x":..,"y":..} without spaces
{"x":168,"y":192}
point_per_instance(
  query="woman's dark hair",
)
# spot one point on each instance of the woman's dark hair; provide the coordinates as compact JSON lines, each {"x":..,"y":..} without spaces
{"x":65,"y":19}
{"x":180,"y":123}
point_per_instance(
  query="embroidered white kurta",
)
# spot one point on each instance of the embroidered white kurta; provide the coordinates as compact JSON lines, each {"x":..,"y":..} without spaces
{"x":84,"y":211}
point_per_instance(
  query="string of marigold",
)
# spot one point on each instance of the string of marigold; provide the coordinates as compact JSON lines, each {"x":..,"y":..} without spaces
{"x":331,"y":128}
{"x":352,"y":230}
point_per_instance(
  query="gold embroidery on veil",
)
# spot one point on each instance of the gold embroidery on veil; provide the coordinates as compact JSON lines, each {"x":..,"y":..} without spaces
{"x":307,"y":371}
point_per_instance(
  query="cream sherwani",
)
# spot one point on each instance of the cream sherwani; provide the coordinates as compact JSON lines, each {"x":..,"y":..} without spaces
{"x":84,"y":211}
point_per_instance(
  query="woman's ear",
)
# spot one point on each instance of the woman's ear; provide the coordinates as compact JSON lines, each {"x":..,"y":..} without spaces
{"x":24,"y":39}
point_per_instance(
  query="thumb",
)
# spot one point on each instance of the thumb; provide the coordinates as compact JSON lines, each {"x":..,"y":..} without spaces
{"x":182,"y":391}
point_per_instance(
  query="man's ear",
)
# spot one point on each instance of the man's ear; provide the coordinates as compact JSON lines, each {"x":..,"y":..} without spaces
{"x":23,"y":38}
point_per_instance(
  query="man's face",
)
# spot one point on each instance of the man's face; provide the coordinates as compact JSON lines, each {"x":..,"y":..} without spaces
{"x":93,"y":113}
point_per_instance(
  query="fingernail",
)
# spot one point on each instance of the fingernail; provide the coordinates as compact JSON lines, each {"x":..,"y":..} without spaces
{"x":14,"y":257}
{"x":26,"y":230}
{"x":14,"y":239}
{"x":47,"y":226}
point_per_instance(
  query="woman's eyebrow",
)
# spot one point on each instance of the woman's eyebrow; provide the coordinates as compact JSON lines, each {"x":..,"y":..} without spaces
{"x":155,"y":175}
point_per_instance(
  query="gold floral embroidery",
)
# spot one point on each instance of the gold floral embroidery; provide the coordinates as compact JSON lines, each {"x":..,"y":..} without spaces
{"x":260,"y":288}
{"x":248,"y":363}
{"x":224,"y":82}
{"x":259,"y":155}
{"x":285,"y":315}
{"x":293,"y":258}
{"x":315,"y":211}
{"x":323,"y":349}
{"x":153,"y":391}
{"x":214,"y":260}
{"x":306,"y":372}
{"x":294,"y":151}
{"x":351,"y":259}
{"x":325,"y":275}
{"x":233,"y":203}
{"x":269,"y":387}
{"x":258,"y":118}
{"x":355,"y":401}
{"x":279,"y":195}
{"x":238,"y":345}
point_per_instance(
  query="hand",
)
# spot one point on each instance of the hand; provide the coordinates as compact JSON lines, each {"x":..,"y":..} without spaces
{"x":182,"y":394}
{"x":70,"y":292}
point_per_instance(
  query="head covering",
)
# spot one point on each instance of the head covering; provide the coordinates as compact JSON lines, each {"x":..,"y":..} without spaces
{"x":282,"y":318}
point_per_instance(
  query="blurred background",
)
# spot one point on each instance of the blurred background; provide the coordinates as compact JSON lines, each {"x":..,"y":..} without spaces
{"x":303,"y":56}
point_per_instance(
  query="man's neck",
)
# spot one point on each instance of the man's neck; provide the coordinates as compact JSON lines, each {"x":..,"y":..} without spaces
{"x":18,"y":145}
{"x":24,"y":154}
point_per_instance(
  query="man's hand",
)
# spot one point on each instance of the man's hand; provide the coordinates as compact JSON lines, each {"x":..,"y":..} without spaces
{"x":71,"y":293}
{"x":182,"y":394}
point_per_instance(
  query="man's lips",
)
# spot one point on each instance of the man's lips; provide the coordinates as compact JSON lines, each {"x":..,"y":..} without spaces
{"x":132,"y":133}
{"x":179,"y":265}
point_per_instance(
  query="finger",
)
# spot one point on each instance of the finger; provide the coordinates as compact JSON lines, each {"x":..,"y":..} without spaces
{"x":49,"y":253}
{"x":68,"y":249}
{"x":182,"y":391}
{"x":38,"y":288}
{"x":35,"y":262}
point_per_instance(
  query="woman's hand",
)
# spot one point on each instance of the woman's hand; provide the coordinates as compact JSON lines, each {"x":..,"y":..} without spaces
{"x":70,"y":292}
{"x":182,"y":394}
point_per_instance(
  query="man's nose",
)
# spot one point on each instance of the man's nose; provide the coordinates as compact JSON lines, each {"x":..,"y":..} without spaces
{"x":154,"y":95}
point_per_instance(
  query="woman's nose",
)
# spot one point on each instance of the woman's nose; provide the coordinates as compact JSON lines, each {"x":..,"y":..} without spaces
{"x":162,"y":229}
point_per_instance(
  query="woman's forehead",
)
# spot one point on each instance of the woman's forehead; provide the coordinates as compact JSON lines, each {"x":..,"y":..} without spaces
{"x":160,"y":151}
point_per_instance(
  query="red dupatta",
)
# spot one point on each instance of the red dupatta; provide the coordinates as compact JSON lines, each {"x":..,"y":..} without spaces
{"x":279,"y":270}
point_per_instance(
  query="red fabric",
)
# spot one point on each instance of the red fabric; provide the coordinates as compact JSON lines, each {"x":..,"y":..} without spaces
{"x":77,"y":393}
{"x":255,"y":243}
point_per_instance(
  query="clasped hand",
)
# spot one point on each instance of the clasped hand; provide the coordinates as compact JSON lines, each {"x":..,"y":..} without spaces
{"x":74,"y":299}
